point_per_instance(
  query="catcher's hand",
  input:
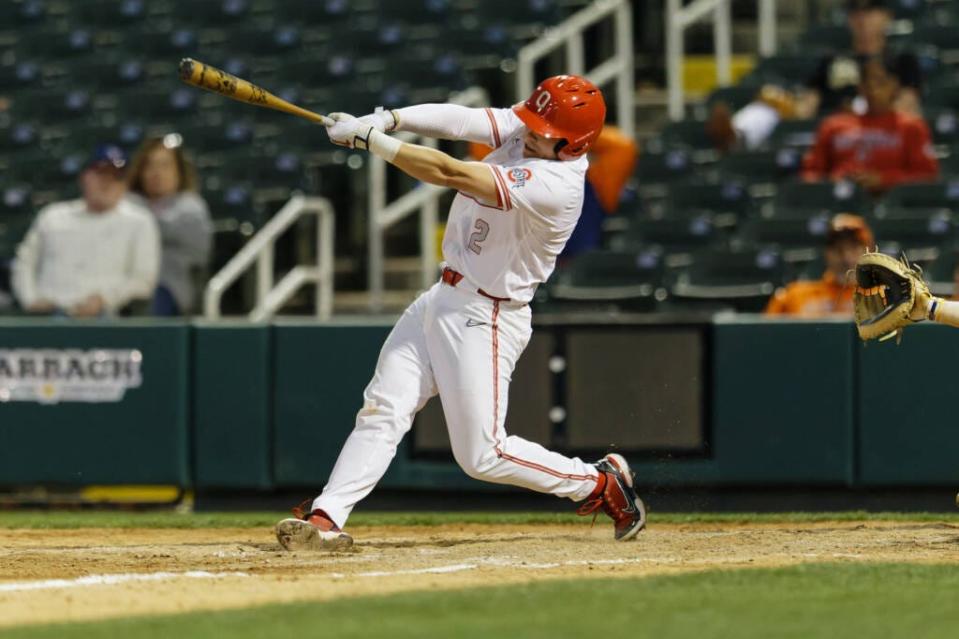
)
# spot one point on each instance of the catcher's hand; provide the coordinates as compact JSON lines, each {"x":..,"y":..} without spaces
{"x":890,"y":294}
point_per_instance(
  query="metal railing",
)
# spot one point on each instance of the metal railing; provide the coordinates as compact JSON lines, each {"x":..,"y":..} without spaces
{"x":271,"y":295}
{"x":569,"y":34}
{"x":678,"y":18}
{"x":424,"y":198}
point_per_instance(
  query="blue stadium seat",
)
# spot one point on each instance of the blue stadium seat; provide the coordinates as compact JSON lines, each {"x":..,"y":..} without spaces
{"x":742,"y":278}
{"x":625,"y":280}
{"x":20,"y":75}
{"x":797,"y":198}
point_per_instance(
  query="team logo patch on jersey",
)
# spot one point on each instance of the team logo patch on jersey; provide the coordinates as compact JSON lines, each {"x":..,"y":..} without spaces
{"x":519,"y":176}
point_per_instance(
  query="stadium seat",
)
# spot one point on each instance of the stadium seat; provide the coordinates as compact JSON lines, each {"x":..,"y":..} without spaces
{"x":944,"y":123}
{"x":117,"y":13}
{"x":519,"y":11}
{"x":787,"y":70}
{"x":318,"y":12}
{"x":744,"y":279}
{"x":26,"y":12}
{"x":60,"y":44}
{"x":922,"y":196}
{"x":160,"y":104}
{"x":792,"y":230}
{"x":814,"y":197}
{"x":915,"y":229}
{"x":735,"y":97}
{"x":18,"y":135}
{"x":825,"y":38}
{"x":628,"y":280}
{"x":415,"y":11}
{"x":943,"y":36}
{"x":689,"y":134}
{"x":940,"y":273}
{"x":212,"y":12}
{"x":729,"y":198}
{"x":675,"y":232}
{"x":163,"y":42}
{"x":53,"y":105}
{"x":799,"y":134}
{"x":19,"y":75}
{"x":664,"y":168}
{"x":755,"y":167}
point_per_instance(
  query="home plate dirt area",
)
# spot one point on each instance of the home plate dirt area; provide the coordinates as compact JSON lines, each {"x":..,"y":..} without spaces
{"x":99,"y":573}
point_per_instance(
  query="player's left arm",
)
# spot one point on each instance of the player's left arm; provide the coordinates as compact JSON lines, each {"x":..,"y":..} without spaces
{"x":420,"y":162}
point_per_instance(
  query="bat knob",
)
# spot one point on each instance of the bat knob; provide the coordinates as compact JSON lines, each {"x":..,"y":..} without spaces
{"x":186,"y":68}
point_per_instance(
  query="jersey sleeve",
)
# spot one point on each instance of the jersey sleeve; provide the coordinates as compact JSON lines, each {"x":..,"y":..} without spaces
{"x":547,"y":194}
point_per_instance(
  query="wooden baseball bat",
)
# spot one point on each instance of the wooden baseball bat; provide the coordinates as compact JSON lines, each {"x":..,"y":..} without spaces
{"x":218,"y":81}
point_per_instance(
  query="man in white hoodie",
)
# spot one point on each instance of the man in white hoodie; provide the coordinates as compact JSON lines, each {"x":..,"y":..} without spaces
{"x":91,"y":256}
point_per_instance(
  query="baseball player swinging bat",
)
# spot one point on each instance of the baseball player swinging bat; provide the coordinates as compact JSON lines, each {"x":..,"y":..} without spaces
{"x":216,"y":80}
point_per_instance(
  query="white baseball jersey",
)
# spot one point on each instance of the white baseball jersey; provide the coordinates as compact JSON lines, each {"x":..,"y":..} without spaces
{"x":463,"y":345}
{"x":509,"y":247}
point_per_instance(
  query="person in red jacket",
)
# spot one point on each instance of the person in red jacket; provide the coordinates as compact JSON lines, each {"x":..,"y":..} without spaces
{"x":878,"y":149}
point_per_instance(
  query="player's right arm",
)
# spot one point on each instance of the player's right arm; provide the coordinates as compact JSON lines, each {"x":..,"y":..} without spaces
{"x":479,"y":180}
{"x":445,"y":122}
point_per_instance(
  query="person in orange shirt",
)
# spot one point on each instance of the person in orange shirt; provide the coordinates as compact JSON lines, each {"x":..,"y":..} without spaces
{"x":848,"y":237}
{"x":879,"y":149}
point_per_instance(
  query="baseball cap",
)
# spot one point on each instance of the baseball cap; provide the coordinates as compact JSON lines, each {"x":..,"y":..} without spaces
{"x":107,"y":156}
{"x":845,"y":225}
{"x":865,"y":5}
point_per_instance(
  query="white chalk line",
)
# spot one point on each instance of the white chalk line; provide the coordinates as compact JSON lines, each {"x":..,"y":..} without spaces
{"x":110,"y":580}
{"x":498,"y":562}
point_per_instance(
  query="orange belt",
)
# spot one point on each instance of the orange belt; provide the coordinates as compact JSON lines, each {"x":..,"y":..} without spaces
{"x":453,"y":278}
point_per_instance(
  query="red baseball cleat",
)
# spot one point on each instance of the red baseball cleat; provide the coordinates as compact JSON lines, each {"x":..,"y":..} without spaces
{"x":616,"y":496}
{"x":313,"y":531}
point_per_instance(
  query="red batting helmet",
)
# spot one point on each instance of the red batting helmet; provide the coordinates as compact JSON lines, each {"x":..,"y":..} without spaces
{"x":565,"y":107}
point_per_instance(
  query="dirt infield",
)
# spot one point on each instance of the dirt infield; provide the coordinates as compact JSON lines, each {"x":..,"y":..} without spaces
{"x":175,"y":570}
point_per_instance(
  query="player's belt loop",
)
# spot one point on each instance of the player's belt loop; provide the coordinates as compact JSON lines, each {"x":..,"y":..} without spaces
{"x":453,"y":278}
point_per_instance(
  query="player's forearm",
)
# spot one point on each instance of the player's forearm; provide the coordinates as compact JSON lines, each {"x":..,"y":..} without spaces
{"x":426,"y":164}
{"x":944,"y":312}
{"x":444,"y":121}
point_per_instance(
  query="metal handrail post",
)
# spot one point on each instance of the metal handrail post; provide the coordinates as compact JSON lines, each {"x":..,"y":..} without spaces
{"x":674,"y":59}
{"x":722,"y":38}
{"x":767,"y":28}
{"x":625,"y":81}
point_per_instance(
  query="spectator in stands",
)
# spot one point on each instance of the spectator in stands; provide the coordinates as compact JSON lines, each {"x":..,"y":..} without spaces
{"x":832,"y":88}
{"x":848,"y":237}
{"x":92,"y":256}
{"x":611,"y":162}
{"x":163,"y":180}
{"x":879,"y":149}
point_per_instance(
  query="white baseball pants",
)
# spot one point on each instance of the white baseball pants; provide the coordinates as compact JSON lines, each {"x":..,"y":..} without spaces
{"x":464,"y":346}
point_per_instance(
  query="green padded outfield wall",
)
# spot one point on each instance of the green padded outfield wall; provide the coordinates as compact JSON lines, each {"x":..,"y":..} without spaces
{"x":783,"y":400}
{"x":319,"y":377}
{"x":132,"y":424}
{"x":233,"y":437}
{"x":908,"y":427}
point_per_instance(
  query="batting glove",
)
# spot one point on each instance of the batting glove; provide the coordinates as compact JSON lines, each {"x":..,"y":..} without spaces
{"x":383,"y":120}
{"x":349,"y":131}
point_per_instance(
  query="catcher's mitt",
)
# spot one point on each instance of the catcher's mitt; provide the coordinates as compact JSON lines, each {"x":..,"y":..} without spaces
{"x":890,"y":294}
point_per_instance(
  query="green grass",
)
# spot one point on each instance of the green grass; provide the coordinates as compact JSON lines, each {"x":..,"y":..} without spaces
{"x":807,"y":602}
{"x":164,"y":519}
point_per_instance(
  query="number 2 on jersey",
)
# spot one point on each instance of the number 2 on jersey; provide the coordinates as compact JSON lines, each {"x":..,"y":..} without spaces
{"x":482,"y":230}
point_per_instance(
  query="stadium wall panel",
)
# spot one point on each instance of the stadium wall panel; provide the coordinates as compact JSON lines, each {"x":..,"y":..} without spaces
{"x":908,"y":430}
{"x":783,"y":401}
{"x":141,"y":438}
{"x":232,"y":406}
